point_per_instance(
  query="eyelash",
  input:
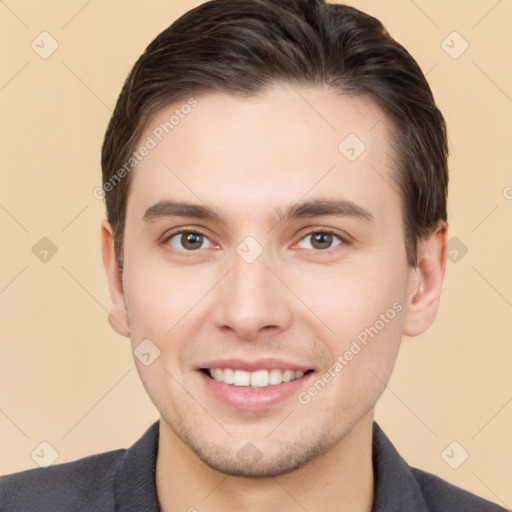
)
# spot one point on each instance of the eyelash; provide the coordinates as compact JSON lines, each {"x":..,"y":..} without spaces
{"x":343,"y":238}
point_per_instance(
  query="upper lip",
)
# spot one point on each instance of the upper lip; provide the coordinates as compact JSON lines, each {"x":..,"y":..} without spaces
{"x":254,"y":364}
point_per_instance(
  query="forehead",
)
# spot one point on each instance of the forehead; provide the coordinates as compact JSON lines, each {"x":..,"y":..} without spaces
{"x":242,"y":155}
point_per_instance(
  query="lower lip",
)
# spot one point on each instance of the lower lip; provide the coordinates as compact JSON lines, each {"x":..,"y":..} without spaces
{"x":253,"y":399}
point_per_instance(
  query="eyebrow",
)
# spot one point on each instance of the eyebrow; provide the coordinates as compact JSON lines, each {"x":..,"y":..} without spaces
{"x":305,"y":209}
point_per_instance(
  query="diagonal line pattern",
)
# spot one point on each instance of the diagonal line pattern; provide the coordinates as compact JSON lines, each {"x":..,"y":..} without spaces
{"x":377,"y":123}
{"x":291,"y":496}
{"x":14,"y":76}
{"x":215,"y":488}
{"x":432,"y":68}
{"x":422,"y":281}
{"x":109,"y":109}
{"x":485,"y":218}
{"x":490,"y":489}
{"x":332,"y":332}
{"x":93,"y":298}
{"x":14,"y":423}
{"x":187,"y":312}
{"x":492,"y":419}
{"x":13,"y":279}
{"x":14,"y":14}
{"x":97,"y":402}
{"x":198,"y":402}
{"x":385,"y":384}
{"x":74,"y":218}
{"x":80,"y":490}
{"x":424,"y":13}
{"x":85,"y":289}
{"x":76,"y":14}
{"x":495,"y":289}
{"x":299,"y":94}
{"x":486,"y":14}
{"x":14,"y":218}
{"x":388,"y":182}
{"x":280,"y":423}
{"x":492,"y":81}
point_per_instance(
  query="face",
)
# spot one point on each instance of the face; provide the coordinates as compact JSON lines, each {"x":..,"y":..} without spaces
{"x":265,"y":261}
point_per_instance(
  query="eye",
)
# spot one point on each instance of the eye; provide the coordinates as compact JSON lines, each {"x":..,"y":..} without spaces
{"x":320,"y":240}
{"x":188,"y":241}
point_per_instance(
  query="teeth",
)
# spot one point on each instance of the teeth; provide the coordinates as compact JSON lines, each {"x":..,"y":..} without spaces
{"x":257,"y":379}
{"x":242,"y":378}
{"x":228,"y":376}
{"x":288,"y":375}
{"x":275,"y":377}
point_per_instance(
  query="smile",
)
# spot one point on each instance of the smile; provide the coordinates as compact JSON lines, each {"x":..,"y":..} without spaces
{"x":255,"y":379}
{"x":253,"y":385}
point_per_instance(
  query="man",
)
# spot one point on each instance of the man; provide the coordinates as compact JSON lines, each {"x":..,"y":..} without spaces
{"x":276,"y":177}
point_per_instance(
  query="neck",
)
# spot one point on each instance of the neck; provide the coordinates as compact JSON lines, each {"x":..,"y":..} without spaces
{"x":341,"y":480}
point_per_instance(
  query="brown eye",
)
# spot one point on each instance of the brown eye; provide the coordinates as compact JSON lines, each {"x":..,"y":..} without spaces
{"x":320,"y":240}
{"x":189,"y":241}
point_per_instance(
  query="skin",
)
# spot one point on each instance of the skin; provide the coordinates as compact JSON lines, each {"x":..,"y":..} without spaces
{"x":249,"y":159}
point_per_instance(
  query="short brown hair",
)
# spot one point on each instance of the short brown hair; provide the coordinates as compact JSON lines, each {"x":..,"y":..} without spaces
{"x":242,"y":47}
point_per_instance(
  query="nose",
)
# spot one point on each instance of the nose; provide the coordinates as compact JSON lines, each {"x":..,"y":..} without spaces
{"x":251,"y":302}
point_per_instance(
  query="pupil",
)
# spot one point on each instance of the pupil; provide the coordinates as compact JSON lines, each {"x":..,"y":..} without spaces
{"x":191,"y":240}
{"x":323,"y":240}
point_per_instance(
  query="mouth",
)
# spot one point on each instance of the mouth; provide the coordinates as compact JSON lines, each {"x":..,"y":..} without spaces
{"x":254,"y":386}
{"x":254,"y":379}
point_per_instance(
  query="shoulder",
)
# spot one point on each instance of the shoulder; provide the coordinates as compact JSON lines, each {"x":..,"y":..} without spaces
{"x":441,"y":496}
{"x":82,"y":485}
{"x":399,"y":486}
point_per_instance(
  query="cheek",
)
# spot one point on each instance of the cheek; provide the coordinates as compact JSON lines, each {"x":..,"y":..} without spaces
{"x":159,"y":298}
{"x":354,"y":295}
{"x":363,"y":355}
{"x":363,"y":303}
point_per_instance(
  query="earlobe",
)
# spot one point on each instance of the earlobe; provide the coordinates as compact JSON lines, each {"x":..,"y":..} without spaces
{"x":425,"y":282}
{"x":118,"y":316}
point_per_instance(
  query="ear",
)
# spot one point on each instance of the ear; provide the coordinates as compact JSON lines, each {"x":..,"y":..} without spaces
{"x":118,"y":316}
{"x":425,"y":282}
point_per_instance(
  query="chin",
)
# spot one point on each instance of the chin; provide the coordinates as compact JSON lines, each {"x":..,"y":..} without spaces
{"x":259,"y":459}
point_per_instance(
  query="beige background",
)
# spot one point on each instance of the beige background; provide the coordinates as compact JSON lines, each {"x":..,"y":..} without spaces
{"x":66,"y":378}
